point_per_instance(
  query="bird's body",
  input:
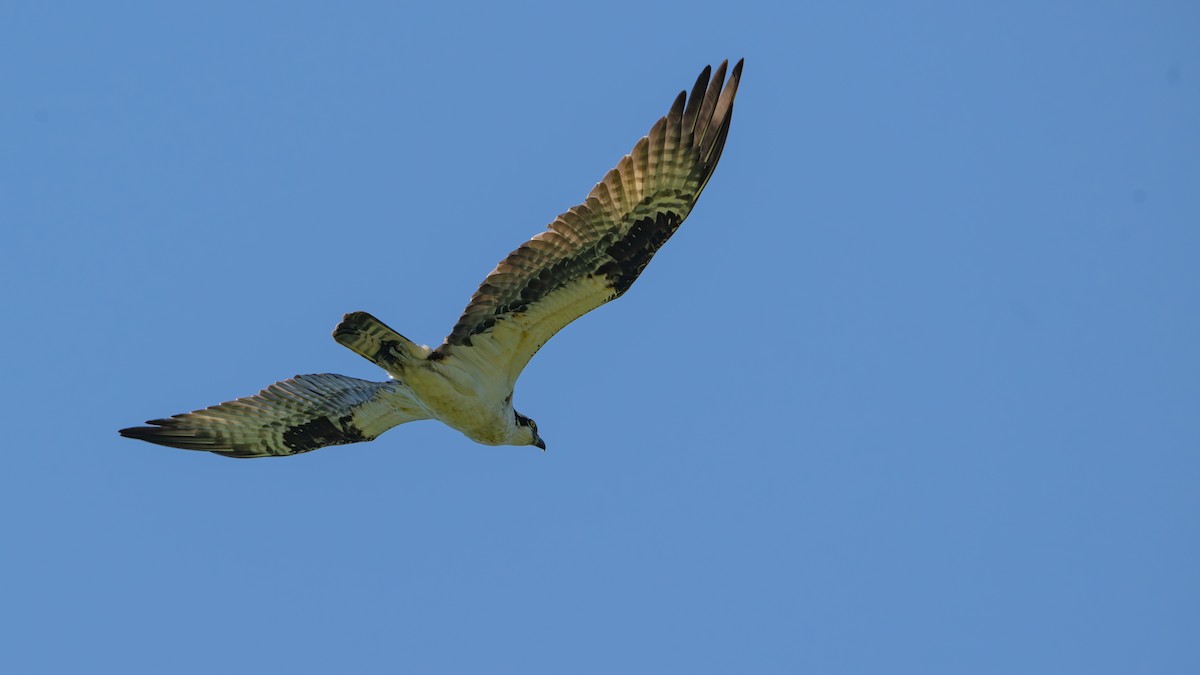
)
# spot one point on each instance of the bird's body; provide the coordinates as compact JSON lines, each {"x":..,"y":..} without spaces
{"x":588,"y":256}
{"x":456,"y":397}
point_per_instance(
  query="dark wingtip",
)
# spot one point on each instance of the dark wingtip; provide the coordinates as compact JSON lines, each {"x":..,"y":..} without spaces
{"x":145,"y":433}
{"x":160,"y":436}
{"x":172,"y":437}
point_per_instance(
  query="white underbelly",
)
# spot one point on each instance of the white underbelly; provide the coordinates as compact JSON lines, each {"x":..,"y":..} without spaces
{"x":458,"y":405}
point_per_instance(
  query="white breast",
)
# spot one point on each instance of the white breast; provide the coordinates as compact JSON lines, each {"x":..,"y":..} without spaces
{"x":455,"y":397}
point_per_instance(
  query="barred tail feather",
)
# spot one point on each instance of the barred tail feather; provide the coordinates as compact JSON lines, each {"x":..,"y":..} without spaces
{"x":373,"y":340}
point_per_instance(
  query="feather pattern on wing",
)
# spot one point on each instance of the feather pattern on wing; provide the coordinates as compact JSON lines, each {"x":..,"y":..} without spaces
{"x":593,"y":253}
{"x":289,"y":417}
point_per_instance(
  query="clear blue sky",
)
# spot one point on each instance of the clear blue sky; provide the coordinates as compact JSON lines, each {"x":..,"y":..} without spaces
{"x":915,"y":390}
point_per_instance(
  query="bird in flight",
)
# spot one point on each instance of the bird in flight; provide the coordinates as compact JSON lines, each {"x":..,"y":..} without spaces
{"x":588,"y":256}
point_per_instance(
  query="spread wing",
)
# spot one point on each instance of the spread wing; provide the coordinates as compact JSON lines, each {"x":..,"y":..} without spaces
{"x":289,"y":417}
{"x":593,"y":253}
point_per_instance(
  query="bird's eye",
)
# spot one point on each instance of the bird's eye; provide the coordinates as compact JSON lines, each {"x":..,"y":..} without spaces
{"x":533,"y":425}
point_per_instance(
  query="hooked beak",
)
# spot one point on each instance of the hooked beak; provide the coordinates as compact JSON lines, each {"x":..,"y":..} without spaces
{"x":539,"y":443}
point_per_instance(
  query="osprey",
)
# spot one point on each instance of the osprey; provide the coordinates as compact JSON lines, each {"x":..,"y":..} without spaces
{"x":588,"y":256}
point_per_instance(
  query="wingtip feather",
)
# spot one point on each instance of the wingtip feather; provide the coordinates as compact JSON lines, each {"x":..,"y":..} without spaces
{"x":185,"y":439}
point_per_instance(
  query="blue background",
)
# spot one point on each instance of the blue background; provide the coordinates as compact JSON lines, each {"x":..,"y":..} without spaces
{"x":916,"y":389}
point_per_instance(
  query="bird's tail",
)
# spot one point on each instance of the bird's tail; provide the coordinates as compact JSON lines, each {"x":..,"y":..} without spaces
{"x":371,"y":339}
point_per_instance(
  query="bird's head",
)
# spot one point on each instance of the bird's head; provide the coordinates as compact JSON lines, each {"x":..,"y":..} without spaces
{"x":527,"y":433}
